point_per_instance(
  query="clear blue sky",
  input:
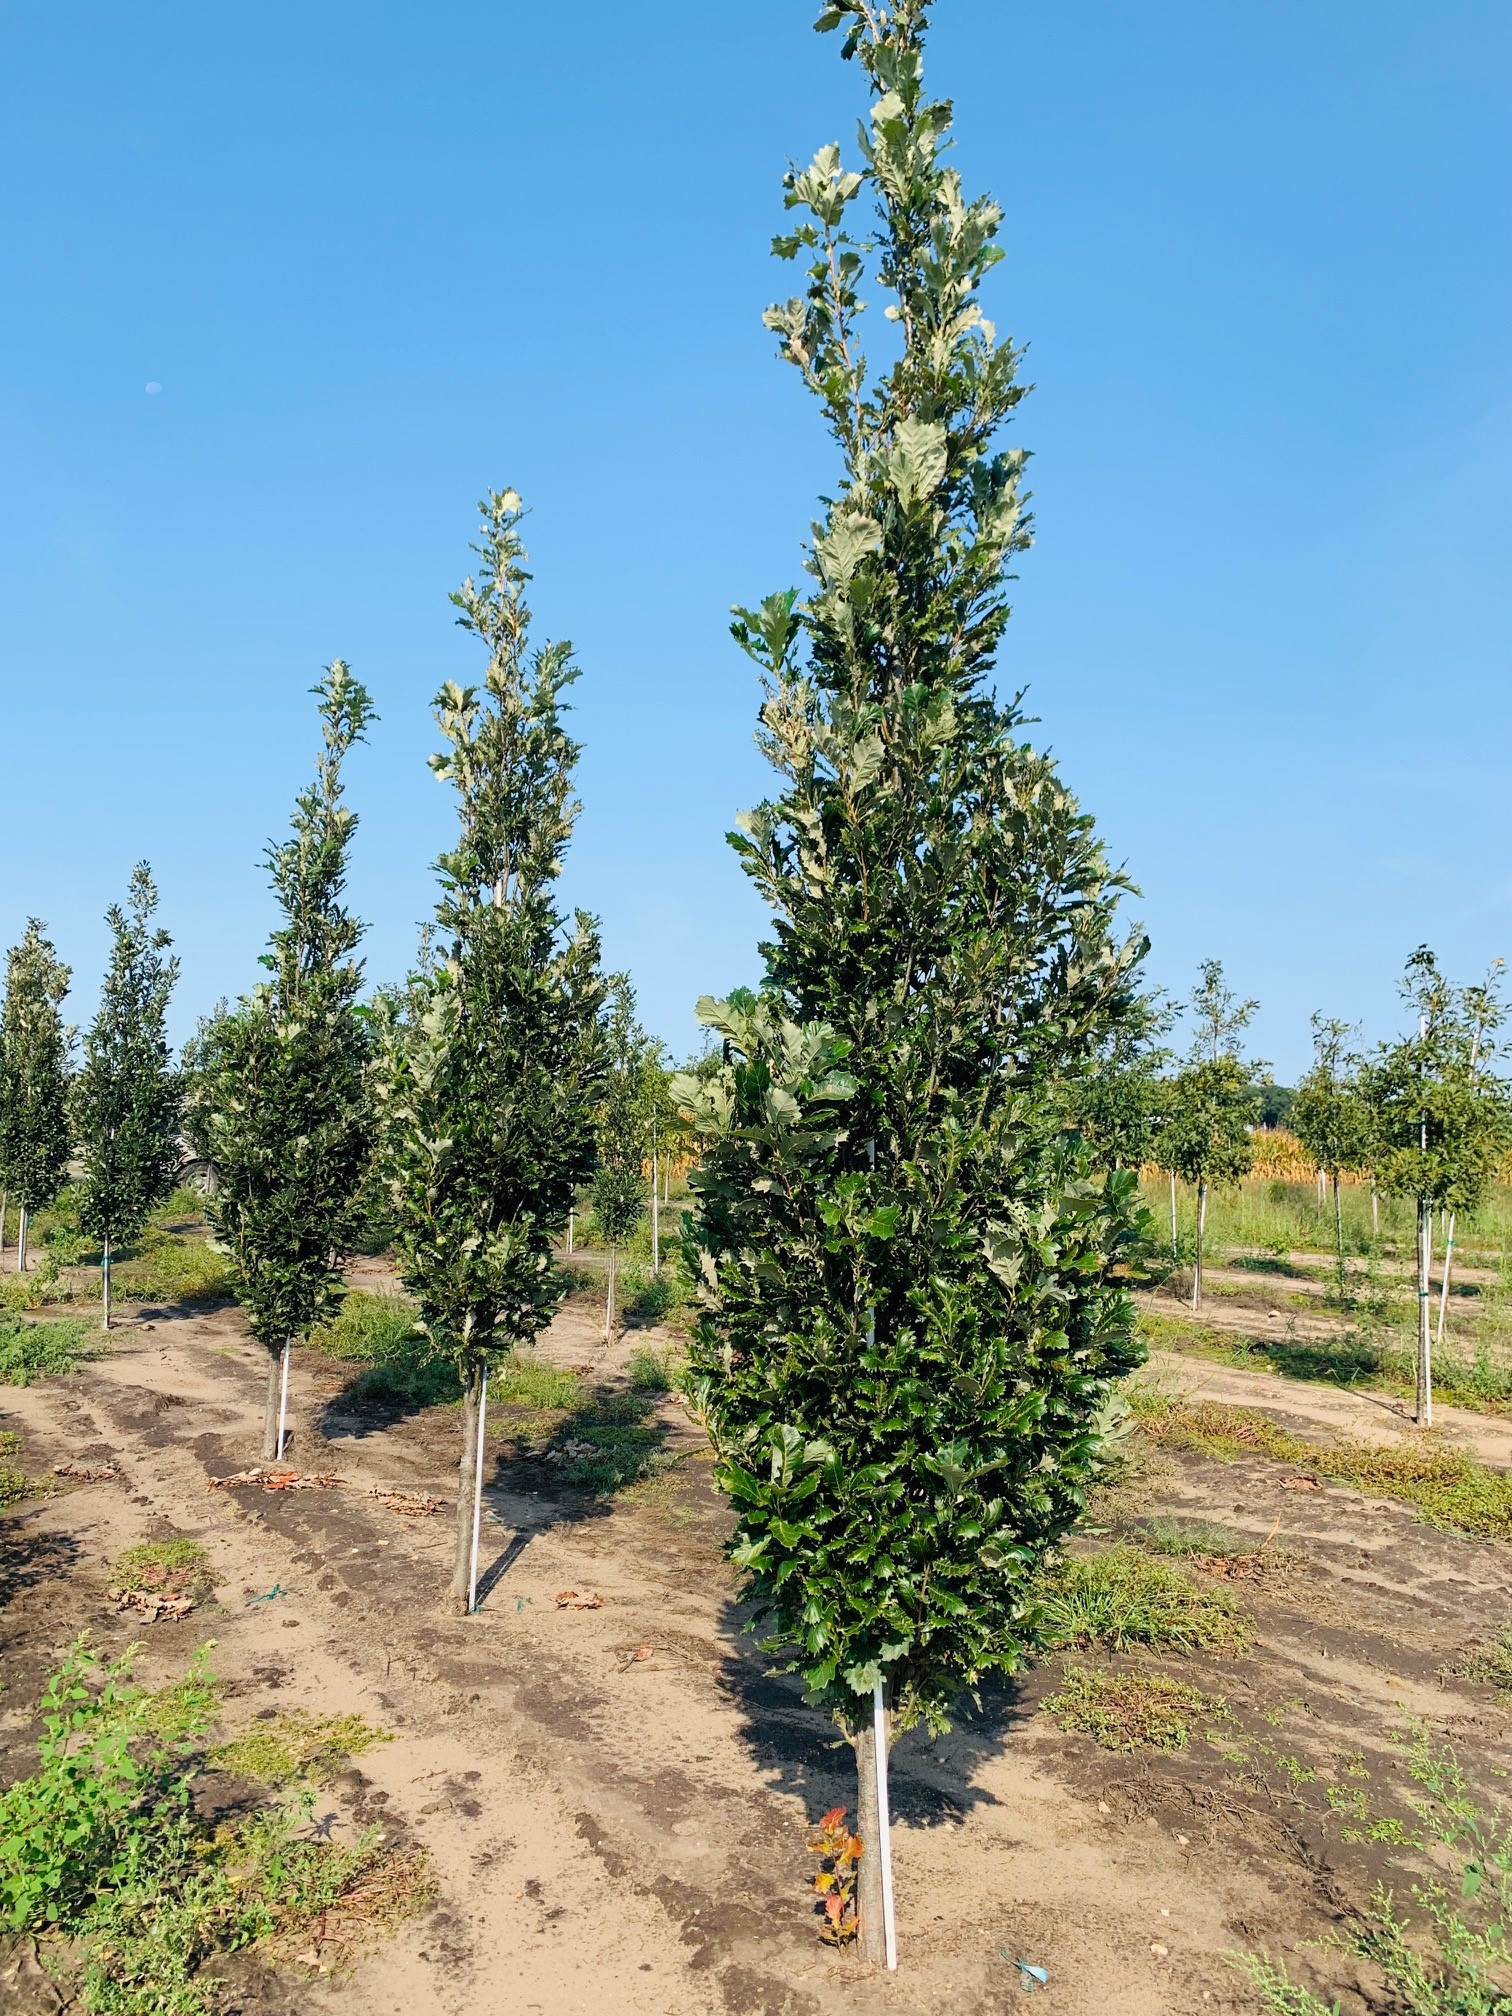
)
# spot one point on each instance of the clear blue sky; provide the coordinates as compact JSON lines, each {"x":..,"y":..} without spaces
{"x":381,"y":256}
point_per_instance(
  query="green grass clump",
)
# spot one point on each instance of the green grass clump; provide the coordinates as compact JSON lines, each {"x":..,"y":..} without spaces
{"x":130,"y":1894}
{"x":1448,"y":1486}
{"x":527,"y":1381}
{"x":652,"y":1371}
{"x":170,"y":1267}
{"x":1490,"y":1662}
{"x":32,"y":1351}
{"x":1192,"y":1536}
{"x":164,"y":1568}
{"x":378,"y":1333}
{"x":295,"y":1745}
{"x":1130,"y":1711}
{"x":1119,"y":1598}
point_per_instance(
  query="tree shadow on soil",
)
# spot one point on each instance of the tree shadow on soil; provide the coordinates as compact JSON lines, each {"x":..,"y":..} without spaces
{"x":28,"y":1559}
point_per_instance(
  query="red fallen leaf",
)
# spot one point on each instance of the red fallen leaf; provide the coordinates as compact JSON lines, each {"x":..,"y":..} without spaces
{"x":831,"y":1819}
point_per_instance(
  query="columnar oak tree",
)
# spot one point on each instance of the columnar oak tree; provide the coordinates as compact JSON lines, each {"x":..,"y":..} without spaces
{"x":1211,"y":1104}
{"x":624,"y":1131}
{"x":34,"y":1141}
{"x":278,"y":1097}
{"x":910,"y":1320}
{"x":1439,"y":1117}
{"x":490,"y":1070}
{"x":126,"y":1098}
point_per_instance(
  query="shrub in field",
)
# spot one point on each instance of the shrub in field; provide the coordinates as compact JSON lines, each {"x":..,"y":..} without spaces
{"x":909,"y":1321}
{"x":34,"y":1141}
{"x":278,"y":1098}
{"x":1330,"y":1117}
{"x":1210,"y":1104}
{"x":490,"y":1064}
{"x":125,"y":1100}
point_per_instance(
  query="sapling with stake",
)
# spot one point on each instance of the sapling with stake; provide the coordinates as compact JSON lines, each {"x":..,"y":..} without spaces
{"x":278,"y":1097}
{"x":1484,"y":1011}
{"x":489,"y":1066}
{"x":905,"y":1253}
{"x":1211,"y":1103}
{"x":34,"y":1047}
{"x":125,"y":1100}
{"x":1440,"y":1118}
{"x":1329,"y":1118}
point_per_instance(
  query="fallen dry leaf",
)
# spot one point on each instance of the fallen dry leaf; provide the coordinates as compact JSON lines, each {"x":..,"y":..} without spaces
{"x":152,"y":1606}
{"x":1300,"y":1484}
{"x":274,"y":1480}
{"x":579,"y":1599}
{"x":84,"y":1472}
{"x":408,"y":1504}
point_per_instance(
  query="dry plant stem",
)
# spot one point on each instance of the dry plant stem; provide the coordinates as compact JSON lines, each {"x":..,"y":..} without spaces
{"x":466,"y":1470}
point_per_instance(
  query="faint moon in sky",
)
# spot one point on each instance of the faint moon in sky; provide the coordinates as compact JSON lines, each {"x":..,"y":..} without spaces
{"x":153,"y":385}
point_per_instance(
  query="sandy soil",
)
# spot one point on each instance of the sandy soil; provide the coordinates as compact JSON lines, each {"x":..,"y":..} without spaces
{"x":623,"y":1834}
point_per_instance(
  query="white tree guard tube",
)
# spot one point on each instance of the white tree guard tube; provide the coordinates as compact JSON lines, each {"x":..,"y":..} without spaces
{"x":477,"y":1518}
{"x":884,"y":1826}
{"x":283,"y":1400}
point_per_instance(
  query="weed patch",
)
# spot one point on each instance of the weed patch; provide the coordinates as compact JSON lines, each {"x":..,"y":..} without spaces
{"x":294,"y":1745}
{"x":1121,"y":1597}
{"x":32,"y":1351}
{"x":106,"y":1862}
{"x":1131,"y":1711}
{"x":378,"y":1333}
{"x":1448,"y":1486}
{"x":164,"y":1568}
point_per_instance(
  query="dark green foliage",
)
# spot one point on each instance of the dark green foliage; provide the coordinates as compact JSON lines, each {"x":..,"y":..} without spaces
{"x":909,"y":1319}
{"x":1330,"y":1118}
{"x":34,"y":1134}
{"x":1211,"y":1104}
{"x":31,"y":1351}
{"x":277,"y":1089}
{"x":1119,"y":1103}
{"x":490,"y":1066}
{"x":125,"y":1099}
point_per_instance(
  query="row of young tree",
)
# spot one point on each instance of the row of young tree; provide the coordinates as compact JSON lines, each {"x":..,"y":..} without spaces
{"x":919,"y":1134}
{"x":1426,"y":1117}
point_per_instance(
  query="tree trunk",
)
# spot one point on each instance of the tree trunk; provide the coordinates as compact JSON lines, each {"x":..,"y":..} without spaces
{"x":1375,"y":1211}
{"x":655,"y":1217}
{"x":873,"y":1876}
{"x":105,"y":1286}
{"x":1173,"y":1217}
{"x":1197,"y":1255}
{"x":21,"y":1224}
{"x":609,"y":1299}
{"x":270,"y":1406}
{"x":1425,"y":1362}
{"x":467,"y":1468}
{"x":1339,"y":1234}
{"x":4,"y":1208}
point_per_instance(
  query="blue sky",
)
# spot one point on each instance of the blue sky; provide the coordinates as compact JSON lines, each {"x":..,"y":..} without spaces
{"x":380,"y":257}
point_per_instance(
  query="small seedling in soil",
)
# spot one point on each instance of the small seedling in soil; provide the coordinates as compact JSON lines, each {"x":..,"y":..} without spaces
{"x":839,"y":1853}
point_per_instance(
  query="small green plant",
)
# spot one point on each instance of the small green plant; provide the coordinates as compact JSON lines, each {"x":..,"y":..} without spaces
{"x":15,"y":1485}
{"x":651,"y":1371}
{"x":1131,"y":1711}
{"x":1192,"y":1536}
{"x":1279,"y":1994}
{"x":164,"y":1568}
{"x":1119,"y":1598}
{"x":527,"y":1381}
{"x":296,"y":1745}
{"x":32,"y":1351}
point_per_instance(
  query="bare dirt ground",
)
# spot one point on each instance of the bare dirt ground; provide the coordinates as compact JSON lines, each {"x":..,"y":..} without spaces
{"x":617,"y":1829}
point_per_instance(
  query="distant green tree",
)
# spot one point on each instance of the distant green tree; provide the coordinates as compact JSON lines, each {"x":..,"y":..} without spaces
{"x":624,"y":1129}
{"x":1439,"y":1116}
{"x":490,"y":1062}
{"x":1329,"y":1117}
{"x":1119,"y":1101}
{"x":1205,"y":1137}
{"x":278,"y":1096}
{"x":911,"y":1317}
{"x":126,"y":1097}
{"x":34,"y":1045}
